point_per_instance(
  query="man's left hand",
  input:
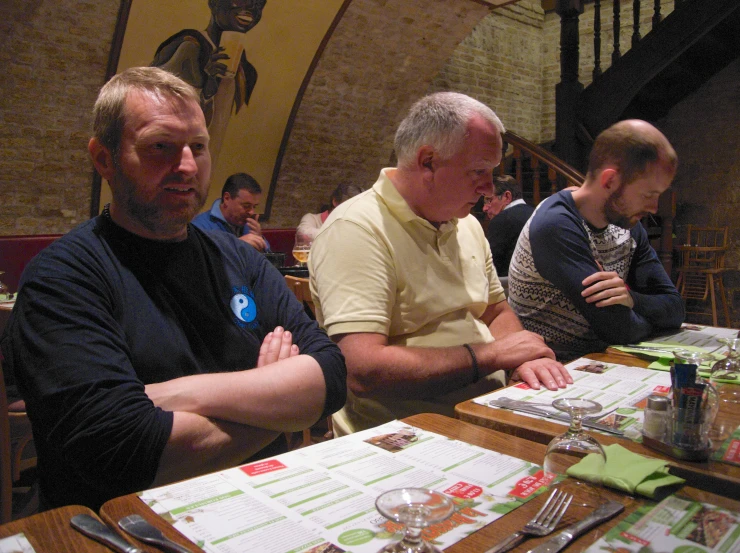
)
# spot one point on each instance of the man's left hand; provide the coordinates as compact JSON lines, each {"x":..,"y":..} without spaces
{"x":607,"y":288}
{"x":543,"y":371}
{"x":276,"y":346}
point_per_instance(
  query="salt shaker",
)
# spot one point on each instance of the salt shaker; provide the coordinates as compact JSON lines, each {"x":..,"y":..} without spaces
{"x":657,"y":422}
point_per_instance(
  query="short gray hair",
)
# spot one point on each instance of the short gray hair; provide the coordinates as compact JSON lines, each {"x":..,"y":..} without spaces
{"x":439,"y":120}
{"x":109,"y":115}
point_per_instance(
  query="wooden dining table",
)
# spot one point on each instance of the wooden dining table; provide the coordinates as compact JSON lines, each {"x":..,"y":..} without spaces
{"x":50,"y":532}
{"x":710,"y":475}
{"x":487,"y":536}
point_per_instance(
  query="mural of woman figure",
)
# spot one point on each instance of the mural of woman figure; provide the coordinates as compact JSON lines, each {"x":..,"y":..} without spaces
{"x":200,"y":59}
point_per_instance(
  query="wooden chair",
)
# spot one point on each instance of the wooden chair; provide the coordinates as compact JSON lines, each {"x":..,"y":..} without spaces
{"x":16,"y":438}
{"x":302,"y":291}
{"x":6,"y":481}
{"x":702,"y":262}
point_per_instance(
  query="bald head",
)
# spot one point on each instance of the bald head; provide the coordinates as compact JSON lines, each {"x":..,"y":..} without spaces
{"x":631,"y":147}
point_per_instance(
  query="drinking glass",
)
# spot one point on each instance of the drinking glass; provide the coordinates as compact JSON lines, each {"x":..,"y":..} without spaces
{"x":301,"y":249}
{"x":417,"y":508}
{"x":568,"y":449}
{"x":727,"y":370}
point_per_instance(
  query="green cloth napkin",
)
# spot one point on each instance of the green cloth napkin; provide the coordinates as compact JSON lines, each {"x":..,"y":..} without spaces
{"x":626,"y":471}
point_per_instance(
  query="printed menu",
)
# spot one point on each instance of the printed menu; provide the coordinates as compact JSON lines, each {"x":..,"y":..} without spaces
{"x":322,"y":498}
{"x":675,"y":525}
{"x":701,"y":336}
{"x":621,"y":390}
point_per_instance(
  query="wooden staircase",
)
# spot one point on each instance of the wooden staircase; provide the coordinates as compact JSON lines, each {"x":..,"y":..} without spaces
{"x":674,"y":58}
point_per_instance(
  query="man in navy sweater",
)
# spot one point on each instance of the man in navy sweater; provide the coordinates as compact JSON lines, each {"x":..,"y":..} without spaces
{"x":583,"y":273}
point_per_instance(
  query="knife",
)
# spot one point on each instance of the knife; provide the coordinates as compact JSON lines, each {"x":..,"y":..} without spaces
{"x":93,"y":528}
{"x":602,"y":513}
{"x":556,"y":416}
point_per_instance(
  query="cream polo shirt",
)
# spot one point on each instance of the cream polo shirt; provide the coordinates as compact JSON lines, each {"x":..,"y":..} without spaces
{"x":377,"y":267}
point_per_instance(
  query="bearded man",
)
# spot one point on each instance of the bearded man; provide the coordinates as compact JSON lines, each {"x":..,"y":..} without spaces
{"x":583,"y":274}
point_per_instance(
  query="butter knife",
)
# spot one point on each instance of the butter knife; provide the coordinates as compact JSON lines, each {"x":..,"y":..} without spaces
{"x":93,"y":528}
{"x":600,"y":514}
{"x":555,"y":416}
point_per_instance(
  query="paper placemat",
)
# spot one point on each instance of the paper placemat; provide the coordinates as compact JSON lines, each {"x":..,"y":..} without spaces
{"x":620,"y":389}
{"x":16,"y":544}
{"x":675,"y":525}
{"x":322,"y":498}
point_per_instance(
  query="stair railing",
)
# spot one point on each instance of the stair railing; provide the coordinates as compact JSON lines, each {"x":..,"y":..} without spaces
{"x":543,"y":164}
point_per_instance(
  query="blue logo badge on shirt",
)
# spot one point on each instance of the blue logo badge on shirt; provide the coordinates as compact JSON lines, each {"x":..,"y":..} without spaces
{"x":244,"y":307}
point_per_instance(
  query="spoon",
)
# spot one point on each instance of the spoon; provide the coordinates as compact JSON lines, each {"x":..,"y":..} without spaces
{"x":142,"y":530}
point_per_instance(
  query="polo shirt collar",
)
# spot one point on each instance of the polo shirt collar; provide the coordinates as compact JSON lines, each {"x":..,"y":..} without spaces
{"x":400,"y":209}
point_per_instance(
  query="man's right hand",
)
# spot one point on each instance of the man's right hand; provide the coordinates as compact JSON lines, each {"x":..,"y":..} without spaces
{"x":512,"y":350}
{"x":257,"y":242}
{"x":533,"y":360}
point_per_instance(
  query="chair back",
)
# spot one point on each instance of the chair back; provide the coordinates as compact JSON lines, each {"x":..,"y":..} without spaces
{"x":302,"y":291}
{"x":704,"y":249}
{"x":6,"y":483}
{"x":702,"y":264}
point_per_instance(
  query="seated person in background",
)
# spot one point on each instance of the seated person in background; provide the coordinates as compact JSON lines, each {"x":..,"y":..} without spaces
{"x":147,"y":350}
{"x":508,"y":214}
{"x":311,"y":222}
{"x":235,"y":212}
{"x":403,"y":281}
{"x":583,"y":273}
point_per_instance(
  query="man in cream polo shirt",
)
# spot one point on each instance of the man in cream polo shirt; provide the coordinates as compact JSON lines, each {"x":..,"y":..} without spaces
{"x":403,"y":280}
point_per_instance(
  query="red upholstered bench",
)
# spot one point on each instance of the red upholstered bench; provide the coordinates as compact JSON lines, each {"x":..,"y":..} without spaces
{"x":281,"y":240}
{"x":17,"y":251}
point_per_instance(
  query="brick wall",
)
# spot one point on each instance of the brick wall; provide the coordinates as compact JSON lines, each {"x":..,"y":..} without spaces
{"x":53,"y":55}
{"x":381,"y":57}
{"x":500,"y":64}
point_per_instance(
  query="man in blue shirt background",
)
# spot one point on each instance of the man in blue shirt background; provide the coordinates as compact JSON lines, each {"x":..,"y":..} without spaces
{"x":235,"y":212}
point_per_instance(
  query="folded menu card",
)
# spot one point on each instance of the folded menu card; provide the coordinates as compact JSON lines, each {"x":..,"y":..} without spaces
{"x":322,"y":498}
{"x":16,"y":544}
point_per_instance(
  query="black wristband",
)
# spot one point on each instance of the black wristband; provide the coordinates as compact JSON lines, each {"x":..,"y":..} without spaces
{"x":476,"y":370}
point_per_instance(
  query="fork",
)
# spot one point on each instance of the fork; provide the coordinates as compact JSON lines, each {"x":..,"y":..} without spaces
{"x":542,"y":524}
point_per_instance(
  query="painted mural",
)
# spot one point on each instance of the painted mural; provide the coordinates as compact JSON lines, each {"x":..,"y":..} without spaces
{"x":248,"y":59}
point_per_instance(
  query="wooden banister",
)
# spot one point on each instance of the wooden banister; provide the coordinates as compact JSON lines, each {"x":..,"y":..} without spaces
{"x":556,"y":167}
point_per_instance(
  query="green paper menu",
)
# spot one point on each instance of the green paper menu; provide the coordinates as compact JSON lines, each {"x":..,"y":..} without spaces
{"x":675,"y":525}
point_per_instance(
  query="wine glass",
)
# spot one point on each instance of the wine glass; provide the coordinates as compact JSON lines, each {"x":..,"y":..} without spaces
{"x":417,"y":508}
{"x":301,"y":249}
{"x":727,"y":370}
{"x":568,"y":449}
